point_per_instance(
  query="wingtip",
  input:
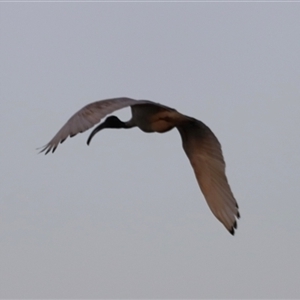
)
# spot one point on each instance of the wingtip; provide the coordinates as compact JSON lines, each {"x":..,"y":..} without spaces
{"x":41,"y":149}
{"x":235,"y":225}
{"x":233,"y":228}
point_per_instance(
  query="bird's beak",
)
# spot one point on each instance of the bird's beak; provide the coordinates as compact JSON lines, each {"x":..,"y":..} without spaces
{"x":97,"y":129}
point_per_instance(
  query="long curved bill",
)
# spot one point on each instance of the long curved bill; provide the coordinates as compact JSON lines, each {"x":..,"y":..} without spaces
{"x":96,"y":130}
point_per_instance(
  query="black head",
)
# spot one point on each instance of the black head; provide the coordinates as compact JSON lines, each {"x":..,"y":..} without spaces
{"x":113,"y":122}
{"x":110,"y":122}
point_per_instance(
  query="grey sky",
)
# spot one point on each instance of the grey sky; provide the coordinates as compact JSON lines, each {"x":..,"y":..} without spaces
{"x":124,"y":218}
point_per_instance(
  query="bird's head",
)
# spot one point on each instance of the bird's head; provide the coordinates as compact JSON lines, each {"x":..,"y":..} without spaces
{"x":110,"y":122}
{"x":113,"y":122}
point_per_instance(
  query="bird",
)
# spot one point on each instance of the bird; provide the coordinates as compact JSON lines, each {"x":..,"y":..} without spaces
{"x":199,"y":143}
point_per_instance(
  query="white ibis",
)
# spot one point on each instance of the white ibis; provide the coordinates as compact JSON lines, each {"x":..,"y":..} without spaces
{"x":199,"y":143}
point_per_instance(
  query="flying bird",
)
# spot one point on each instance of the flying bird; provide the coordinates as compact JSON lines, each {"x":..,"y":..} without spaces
{"x":199,"y":143}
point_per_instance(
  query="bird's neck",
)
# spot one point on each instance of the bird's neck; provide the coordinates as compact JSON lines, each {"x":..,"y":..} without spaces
{"x":130,"y":124}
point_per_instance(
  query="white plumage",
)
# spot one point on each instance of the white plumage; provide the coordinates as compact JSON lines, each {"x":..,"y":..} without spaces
{"x":199,"y":143}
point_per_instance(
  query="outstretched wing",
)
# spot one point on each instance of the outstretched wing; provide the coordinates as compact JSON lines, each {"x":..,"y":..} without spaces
{"x":87,"y":117}
{"x":205,"y":154}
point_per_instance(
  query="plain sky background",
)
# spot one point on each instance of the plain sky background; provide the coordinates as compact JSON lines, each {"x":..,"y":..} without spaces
{"x":124,"y":218}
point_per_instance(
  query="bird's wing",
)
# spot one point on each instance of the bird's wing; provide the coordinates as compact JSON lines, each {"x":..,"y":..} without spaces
{"x":87,"y":117}
{"x":205,"y":154}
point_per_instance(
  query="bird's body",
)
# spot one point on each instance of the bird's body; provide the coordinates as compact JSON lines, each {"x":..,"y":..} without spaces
{"x":199,"y":143}
{"x":150,"y":118}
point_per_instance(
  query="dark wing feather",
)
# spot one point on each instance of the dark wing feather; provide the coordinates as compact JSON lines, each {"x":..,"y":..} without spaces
{"x":205,"y":154}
